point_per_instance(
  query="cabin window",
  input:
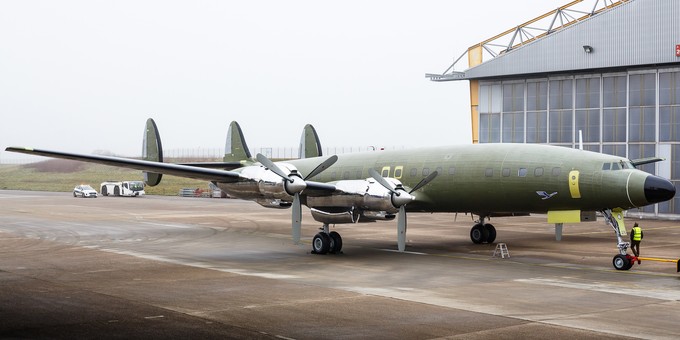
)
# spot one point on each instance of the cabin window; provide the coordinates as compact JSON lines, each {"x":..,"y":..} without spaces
{"x":386,"y":172}
{"x":452,"y":171}
{"x":397,"y":172}
{"x":414,"y":172}
{"x":345,"y":175}
{"x":606,"y":166}
{"x":506,"y":172}
{"x":522,"y":172}
{"x":358,"y":173}
{"x":426,"y":171}
{"x":556,"y":171}
{"x":439,"y":170}
{"x":488,"y":172}
{"x":538,"y":172}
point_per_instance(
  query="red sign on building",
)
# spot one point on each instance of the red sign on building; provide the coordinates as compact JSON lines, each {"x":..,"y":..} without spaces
{"x":677,"y":50}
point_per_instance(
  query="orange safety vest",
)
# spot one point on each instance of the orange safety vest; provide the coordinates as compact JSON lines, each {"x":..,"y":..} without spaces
{"x":637,"y":234}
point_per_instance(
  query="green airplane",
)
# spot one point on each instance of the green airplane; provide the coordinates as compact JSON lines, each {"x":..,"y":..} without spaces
{"x":569,"y":185}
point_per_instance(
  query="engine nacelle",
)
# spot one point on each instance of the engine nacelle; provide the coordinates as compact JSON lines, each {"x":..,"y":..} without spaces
{"x":273,"y":203}
{"x":360,"y":195}
{"x":262,"y":184}
{"x":339,"y":216}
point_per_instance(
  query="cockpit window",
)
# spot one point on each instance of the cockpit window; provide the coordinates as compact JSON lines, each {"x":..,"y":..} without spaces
{"x":618,"y":165}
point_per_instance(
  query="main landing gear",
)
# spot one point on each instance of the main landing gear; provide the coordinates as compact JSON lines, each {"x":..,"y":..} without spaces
{"x":482,"y":232}
{"x":621,"y":261}
{"x":326,"y":242}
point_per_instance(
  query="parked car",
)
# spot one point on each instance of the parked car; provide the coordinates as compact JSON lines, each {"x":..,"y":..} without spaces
{"x":84,"y":191}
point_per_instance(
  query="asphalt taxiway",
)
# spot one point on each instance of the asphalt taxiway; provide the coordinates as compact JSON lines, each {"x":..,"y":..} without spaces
{"x":115,"y":267}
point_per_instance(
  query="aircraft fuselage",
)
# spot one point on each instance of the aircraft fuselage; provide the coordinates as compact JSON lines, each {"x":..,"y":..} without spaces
{"x":499,"y":178}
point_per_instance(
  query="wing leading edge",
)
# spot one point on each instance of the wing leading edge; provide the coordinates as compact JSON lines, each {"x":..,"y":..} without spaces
{"x":156,"y":167}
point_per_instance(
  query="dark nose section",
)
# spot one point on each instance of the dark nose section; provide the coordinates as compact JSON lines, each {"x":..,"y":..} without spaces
{"x":658,"y":189}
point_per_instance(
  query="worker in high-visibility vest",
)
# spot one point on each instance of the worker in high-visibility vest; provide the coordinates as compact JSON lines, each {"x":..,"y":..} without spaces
{"x":635,"y":238}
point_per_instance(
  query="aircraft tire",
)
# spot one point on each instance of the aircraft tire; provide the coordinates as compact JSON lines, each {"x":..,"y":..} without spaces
{"x":491,"y":230}
{"x":479,"y":234}
{"x":321,"y":244}
{"x":621,"y":262}
{"x":336,"y":242}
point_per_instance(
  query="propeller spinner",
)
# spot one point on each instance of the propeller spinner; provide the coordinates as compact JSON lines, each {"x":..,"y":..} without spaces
{"x":400,"y":198}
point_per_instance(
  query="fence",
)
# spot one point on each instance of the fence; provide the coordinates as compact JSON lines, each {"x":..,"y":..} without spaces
{"x":270,"y":152}
{"x":216,"y":154}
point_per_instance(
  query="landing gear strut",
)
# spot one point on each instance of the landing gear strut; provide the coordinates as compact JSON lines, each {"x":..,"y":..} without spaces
{"x":621,"y":261}
{"x":326,"y":242}
{"x":483,"y":233}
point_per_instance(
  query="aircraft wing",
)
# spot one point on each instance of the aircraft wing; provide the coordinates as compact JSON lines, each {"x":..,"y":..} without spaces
{"x":155,"y":167}
{"x":216,"y":165}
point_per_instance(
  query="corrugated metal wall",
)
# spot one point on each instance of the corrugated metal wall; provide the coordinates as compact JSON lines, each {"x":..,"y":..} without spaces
{"x":640,"y":32}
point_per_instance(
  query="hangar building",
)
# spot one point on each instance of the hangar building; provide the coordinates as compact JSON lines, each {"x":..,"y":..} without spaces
{"x":609,"y":70}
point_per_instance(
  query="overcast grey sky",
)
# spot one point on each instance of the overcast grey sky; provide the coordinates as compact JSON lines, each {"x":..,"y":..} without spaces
{"x":84,"y":75}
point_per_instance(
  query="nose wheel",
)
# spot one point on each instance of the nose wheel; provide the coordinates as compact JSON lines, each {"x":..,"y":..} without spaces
{"x":622,"y":262}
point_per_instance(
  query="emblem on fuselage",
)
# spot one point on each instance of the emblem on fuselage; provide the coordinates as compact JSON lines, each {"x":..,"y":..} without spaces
{"x":545,"y":195}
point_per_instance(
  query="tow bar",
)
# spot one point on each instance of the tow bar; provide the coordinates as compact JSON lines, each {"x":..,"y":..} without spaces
{"x":677,"y":261}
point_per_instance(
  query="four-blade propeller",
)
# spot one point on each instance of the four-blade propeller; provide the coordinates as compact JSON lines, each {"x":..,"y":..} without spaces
{"x":294,"y":184}
{"x":400,"y":198}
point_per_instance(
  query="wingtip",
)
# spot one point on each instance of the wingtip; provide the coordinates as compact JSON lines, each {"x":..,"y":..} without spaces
{"x":17,"y":148}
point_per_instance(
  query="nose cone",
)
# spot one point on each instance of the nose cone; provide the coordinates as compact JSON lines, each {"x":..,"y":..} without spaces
{"x":658,"y":189}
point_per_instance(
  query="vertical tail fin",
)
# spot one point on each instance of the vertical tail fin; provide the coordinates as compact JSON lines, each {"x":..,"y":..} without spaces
{"x":152,"y":150}
{"x":236,"y":149}
{"x":309,"y":143}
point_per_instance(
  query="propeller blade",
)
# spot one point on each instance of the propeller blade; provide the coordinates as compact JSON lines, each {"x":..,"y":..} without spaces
{"x":323,"y":166}
{"x":400,"y":199}
{"x":424,"y":181}
{"x":401,"y":229}
{"x":297,"y":218}
{"x":389,"y":186}
{"x":271,"y":166}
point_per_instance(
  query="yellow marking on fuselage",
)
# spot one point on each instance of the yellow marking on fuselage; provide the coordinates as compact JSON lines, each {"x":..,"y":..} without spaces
{"x":573,"y":184}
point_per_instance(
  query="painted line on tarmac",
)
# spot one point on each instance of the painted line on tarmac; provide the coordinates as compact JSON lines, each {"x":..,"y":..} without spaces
{"x":668,"y":295}
{"x":201,"y":265}
{"x":565,"y":265}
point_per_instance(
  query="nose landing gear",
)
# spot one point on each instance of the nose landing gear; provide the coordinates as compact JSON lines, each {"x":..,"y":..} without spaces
{"x":614,"y":218}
